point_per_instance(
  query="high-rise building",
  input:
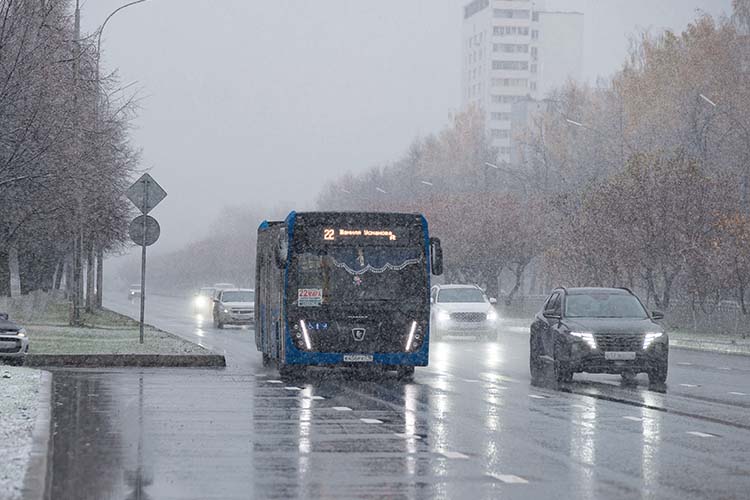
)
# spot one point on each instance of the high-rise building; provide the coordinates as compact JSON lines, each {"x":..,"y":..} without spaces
{"x":514,"y":50}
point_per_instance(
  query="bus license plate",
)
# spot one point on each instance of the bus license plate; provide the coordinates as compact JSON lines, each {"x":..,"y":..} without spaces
{"x":619,"y":356}
{"x":358,"y":358}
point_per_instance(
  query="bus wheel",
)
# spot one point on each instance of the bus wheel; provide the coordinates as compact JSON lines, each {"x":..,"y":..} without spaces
{"x":266,"y":360}
{"x":405,"y":372}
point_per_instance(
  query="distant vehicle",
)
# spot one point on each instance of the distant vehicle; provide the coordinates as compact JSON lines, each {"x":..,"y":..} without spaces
{"x":14,"y":344}
{"x":345,"y":289}
{"x":234,"y":307}
{"x":203,"y":300}
{"x":224,"y":286}
{"x":462,"y":310}
{"x":598,"y":330}
{"x":134,"y":292}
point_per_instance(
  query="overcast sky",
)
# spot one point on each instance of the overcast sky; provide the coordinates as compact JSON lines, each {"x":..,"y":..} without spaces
{"x":261,"y":102}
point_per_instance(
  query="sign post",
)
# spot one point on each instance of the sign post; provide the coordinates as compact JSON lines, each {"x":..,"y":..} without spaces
{"x":145,"y":193}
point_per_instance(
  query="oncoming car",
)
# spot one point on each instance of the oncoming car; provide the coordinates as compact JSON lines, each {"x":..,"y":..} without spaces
{"x":203,"y":299}
{"x":462,"y":310}
{"x":597,"y":330}
{"x":14,"y":344}
{"x":234,"y":307}
{"x":134,"y":292}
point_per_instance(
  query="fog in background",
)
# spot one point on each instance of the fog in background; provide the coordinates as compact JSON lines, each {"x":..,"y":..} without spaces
{"x":261,"y":102}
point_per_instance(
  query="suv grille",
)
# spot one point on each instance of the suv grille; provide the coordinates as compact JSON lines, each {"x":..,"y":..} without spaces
{"x":628,"y":342}
{"x":10,"y":346}
{"x":469,"y":317}
{"x":242,"y":311}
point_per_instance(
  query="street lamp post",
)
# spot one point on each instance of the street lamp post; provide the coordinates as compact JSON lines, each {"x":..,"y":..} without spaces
{"x":100,"y":249}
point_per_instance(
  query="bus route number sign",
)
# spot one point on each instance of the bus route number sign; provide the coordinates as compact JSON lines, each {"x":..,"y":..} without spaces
{"x":330,"y":234}
{"x":309,"y":297}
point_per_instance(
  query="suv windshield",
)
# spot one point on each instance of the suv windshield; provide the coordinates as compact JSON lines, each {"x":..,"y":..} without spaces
{"x":461,"y":295}
{"x":603,"y":305}
{"x":238,"y":297}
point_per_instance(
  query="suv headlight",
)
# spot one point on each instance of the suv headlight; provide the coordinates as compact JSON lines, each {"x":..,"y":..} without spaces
{"x":587,"y":337}
{"x":21,"y":332}
{"x":492,"y":315}
{"x":650,"y":337}
{"x":443,"y":316}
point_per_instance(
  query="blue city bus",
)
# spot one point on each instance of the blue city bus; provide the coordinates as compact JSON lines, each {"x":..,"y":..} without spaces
{"x":345,"y":289}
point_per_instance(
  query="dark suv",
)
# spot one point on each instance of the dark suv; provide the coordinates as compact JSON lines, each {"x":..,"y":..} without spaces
{"x":597,"y":330}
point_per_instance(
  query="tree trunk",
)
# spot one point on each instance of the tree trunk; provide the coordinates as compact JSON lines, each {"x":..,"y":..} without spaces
{"x":90,"y":273}
{"x":13,"y":268}
{"x":99,"y":277}
{"x":519,"y":279}
{"x":57,"y":284}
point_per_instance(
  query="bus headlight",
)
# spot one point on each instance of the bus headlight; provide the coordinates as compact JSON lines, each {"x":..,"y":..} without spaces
{"x":411,"y":337}
{"x":305,"y":335}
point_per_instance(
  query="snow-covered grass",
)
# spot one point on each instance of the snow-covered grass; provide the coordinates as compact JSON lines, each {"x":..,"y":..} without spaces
{"x":19,"y":389}
{"x":46,"y":339}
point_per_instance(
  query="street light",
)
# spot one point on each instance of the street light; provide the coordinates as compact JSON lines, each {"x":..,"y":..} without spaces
{"x":427,"y":183}
{"x":707,"y":100}
{"x":381,"y":190}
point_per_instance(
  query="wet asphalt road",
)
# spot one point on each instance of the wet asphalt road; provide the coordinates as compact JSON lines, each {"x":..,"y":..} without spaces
{"x":469,"y":426}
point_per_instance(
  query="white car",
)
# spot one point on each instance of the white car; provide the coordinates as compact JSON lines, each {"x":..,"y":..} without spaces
{"x":203,"y":300}
{"x":462,"y":310}
{"x":14,"y":344}
{"x":234,"y":307}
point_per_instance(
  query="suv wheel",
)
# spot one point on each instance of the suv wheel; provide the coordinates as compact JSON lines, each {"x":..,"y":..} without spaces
{"x":563,"y":371}
{"x":657,"y":374}
{"x":534,"y":361}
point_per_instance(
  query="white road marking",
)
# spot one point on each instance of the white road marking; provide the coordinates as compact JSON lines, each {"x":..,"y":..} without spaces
{"x":725,"y":368}
{"x":737,"y":393}
{"x":318,"y":397}
{"x":509,"y":478}
{"x":701,"y":434}
{"x":537,"y":396}
{"x":471,"y":380}
{"x":292,"y":388}
{"x":371,"y":420}
{"x":261,"y":374}
{"x":689,"y":385}
{"x":634,"y":419}
{"x":342,"y":408}
{"x":275,"y":382}
{"x":453,"y":454}
{"x":407,"y":436}
{"x":683,"y":363}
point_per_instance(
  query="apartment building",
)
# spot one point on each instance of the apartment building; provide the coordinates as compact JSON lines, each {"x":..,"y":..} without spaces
{"x":514,"y":50}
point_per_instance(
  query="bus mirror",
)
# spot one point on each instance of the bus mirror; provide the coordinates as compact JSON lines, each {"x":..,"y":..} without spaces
{"x":436,"y":256}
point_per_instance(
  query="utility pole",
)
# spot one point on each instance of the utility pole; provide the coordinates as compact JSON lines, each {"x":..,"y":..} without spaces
{"x":78,"y":238}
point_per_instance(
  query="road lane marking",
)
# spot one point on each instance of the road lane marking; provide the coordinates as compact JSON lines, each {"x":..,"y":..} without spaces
{"x":471,"y":380}
{"x":725,"y":368}
{"x":509,"y":478}
{"x":683,"y":363}
{"x":537,"y":396}
{"x":317,"y":397}
{"x":453,"y":454}
{"x":737,"y":393}
{"x":342,"y":408}
{"x":292,"y":388}
{"x":407,"y":436}
{"x":701,"y":434}
{"x":261,"y":374}
{"x":634,"y":419}
{"x":371,"y":420}
{"x":275,"y":382}
{"x":689,"y":385}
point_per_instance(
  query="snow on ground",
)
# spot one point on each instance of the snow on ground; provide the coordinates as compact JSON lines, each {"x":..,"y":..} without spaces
{"x":19,"y":389}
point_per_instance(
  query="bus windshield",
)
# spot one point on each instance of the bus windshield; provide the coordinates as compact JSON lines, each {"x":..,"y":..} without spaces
{"x":348,"y":274}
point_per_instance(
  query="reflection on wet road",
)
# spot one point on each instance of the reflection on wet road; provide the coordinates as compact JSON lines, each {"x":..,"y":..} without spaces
{"x":469,"y":426}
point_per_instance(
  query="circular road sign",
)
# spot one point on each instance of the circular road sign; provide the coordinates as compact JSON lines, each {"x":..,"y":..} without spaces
{"x":152,"y":230}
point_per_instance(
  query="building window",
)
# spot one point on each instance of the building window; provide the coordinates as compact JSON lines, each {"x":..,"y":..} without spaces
{"x":506,"y":99}
{"x":533,"y":68}
{"x":510,"y":31}
{"x":535,"y":34}
{"x":500,"y":116}
{"x":535,"y":16}
{"x":532,"y":86}
{"x":534,"y":53}
{"x":499,"y":134}
{"x":504,"y":150}
{"x":511,"y":13}
{"x":512,"y":65}
{"x":510,"y":48}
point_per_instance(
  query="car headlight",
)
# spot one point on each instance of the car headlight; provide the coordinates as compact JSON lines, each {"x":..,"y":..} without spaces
{"x":226,"y":311}
{"x":587,"y":337}
{"x":650,"y":337}
{"x":492,"y":315}
{"x":21,"y":332}
{"x":443,"y":316}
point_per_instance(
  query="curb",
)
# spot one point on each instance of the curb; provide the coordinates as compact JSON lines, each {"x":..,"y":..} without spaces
{"x":37,"y":482}
{"x":708,"y":346}
{"x":126,"y":360}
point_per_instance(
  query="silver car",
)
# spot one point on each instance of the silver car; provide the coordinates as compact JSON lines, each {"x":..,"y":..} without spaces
{"x":14,"y":344}
{"x":234,"y":307}
{"x":462,"y":310}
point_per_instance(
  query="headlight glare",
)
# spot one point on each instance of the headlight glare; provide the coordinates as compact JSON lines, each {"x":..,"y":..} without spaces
{"x":21,"y":332}
{"x":649,"y":338}
{"x":587,"y":337}
{"x":443,"y":316}
{"x":492,"y":315}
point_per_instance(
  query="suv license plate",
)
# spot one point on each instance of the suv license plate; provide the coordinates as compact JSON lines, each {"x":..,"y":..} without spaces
{"x":619,"y":356}
{"x":358,"y":358}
